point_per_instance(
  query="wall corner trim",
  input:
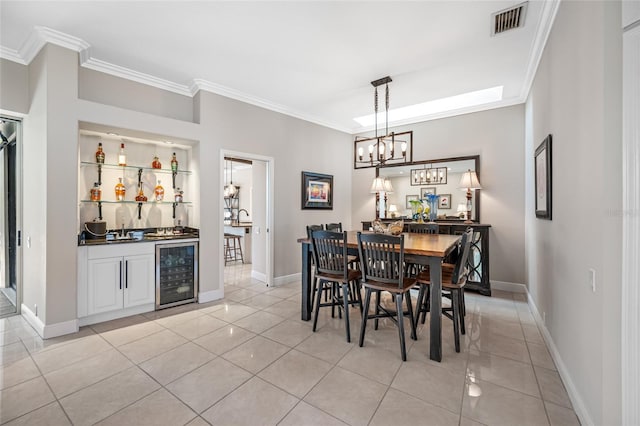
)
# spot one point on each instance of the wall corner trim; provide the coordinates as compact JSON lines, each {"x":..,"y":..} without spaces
{"x":576,"y":400}
{"x":48,"y":331}
{"x":285,"y":279}
{"x":210,"y":296}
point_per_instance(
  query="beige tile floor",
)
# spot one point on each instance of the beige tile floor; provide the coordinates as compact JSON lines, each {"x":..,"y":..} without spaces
{"x":250,"y":360}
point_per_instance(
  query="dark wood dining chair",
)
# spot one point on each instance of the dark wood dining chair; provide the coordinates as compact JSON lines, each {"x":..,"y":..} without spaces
{"x":333,"y":273}
{"x":381,"y":259}
{"x":454,"y":277}
{"x":412,"y":269}
{"x":334,"y":227}
{"x":424,"y":228}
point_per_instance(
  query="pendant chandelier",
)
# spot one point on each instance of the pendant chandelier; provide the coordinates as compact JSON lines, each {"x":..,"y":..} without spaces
{"x":391,"y":148}
{"x":230,"y":189}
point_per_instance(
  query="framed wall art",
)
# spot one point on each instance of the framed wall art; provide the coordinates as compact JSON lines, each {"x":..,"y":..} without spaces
{"x":411,"y":198}
{"x":543,"y":179}
{"x":425,"y":191}
{"x":444,"y":201}
{"x":316,"y":191}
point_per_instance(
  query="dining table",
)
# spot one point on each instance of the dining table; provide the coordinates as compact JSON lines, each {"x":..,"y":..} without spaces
{"x":421,"y":249}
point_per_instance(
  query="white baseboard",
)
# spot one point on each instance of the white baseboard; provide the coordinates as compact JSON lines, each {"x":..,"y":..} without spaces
{"x":210,"y":296}
{"x":508,"y":286}
{"x":51,"y":330}
{"x":119,"y":313}
{"x":285,"y":279}
{"x":572,"y":391}
{"x":259,"y":276}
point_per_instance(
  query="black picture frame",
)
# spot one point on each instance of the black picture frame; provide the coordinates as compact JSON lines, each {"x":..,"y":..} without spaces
{"x":316,"y":191}
{"x":543,"y":179}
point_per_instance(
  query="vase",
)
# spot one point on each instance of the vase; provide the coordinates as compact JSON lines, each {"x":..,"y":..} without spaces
{"x":432,"y":200}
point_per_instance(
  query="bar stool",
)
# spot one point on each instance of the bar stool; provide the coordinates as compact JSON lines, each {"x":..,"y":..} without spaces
{"x":232,"y":248}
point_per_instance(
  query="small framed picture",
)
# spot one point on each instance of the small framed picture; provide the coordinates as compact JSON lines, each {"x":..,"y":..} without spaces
{"x":411,"y":198}
{"x":444,"y":202}
{"x":425,"y":191}
{"x":543,"y":179}
{"x":317,"y":191}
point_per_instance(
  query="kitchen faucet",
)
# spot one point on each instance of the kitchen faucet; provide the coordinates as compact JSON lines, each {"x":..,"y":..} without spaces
{"x":240,"y":211}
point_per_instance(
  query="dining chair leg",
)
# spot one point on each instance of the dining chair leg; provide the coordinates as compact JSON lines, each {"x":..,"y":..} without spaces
{"x":426,"y":304}
{"x":345,"y":298}
{"x":456,"y":319}
{"x":403,"y":349}
{"x":461,"y":310}
{"x":375,"y":323}
{"x":365,"y":315}
{"x":318,"y":298}
{"x":414,"y":335}
{"x":419,"y":303}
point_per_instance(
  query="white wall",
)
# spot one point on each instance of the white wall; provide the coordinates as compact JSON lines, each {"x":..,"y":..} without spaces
{"x":14,"y":87}
{"x":576,"y":97}
{"x":498,"y":137}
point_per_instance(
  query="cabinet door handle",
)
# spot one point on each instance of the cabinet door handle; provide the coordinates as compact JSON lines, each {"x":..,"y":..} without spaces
{"x":121,"y":275}
{"x":126,"y":274}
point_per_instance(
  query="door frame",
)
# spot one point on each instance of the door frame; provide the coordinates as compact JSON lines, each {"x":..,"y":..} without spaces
{"x":270,"y":162}
{"x":19,"y":196}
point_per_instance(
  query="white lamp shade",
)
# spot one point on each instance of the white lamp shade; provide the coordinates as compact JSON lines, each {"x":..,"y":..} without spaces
{"x":393,"y":208}
{"x":462,"y":207}
{"x":469,"y":180}
{"x":377,"y":185}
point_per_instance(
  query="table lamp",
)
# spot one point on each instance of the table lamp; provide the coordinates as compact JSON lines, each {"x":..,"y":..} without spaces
{"x":393,"y":210}
{"x":469,"y":181}
{"x":381,"y":185}
{"x":462,"y":209}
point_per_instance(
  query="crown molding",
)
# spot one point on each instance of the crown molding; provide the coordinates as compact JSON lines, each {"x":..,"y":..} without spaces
{"x":547,"y":17}
{"x":116,"y":70}
{"x":11,"y":55}
{"x":207,"y":86}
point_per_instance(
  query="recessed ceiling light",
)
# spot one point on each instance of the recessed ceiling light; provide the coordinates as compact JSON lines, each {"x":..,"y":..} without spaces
{"x":465,"y":100}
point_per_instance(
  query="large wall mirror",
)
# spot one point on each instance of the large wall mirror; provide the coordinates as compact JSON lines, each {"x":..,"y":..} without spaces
{"x":442,"y":177}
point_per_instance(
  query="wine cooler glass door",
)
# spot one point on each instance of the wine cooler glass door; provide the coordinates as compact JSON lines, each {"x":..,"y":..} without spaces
{"x":176,"y":274}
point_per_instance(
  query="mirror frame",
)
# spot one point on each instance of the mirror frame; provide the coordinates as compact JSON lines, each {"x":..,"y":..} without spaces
{"x":476,"y":159}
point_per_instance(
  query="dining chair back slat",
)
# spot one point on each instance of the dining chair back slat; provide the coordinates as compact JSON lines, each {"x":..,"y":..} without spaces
{"x":381,"y":258}
{"x":424,"y":228}
{"x":330,"y":252}
{"x":461,"y":267}
{"x":335,"y":227}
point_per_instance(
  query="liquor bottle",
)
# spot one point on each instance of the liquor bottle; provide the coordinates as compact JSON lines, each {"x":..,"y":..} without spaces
{"x":174,"y":163}
{"x":122,"y":158}
{"x":96,"y":192}
{"x":141,"y":197}
{"x":178,"y":196}
{"x":100,"y":154}
{"x":156,"y":164}
{"x":120,"y":190}
{"x":159,"y":192}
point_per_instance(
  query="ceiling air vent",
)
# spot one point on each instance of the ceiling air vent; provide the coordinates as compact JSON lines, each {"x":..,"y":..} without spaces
{"x":508,"y":19}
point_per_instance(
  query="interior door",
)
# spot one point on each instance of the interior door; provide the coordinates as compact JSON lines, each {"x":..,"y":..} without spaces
{"x":9,"y":215}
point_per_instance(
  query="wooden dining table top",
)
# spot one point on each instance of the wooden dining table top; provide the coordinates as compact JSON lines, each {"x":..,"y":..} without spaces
{"x":437,"y":245}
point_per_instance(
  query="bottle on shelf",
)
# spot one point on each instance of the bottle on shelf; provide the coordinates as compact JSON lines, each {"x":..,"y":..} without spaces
{"x":174,"y":163}
{"x":159,"y":191}
{"x":141,"y":197}
{"x":178,"y":195}
{"x":96,"y":192}
{"x":122,"y":158}
{"x":120,"y":190}
{"x":100,"y":154}
{"x":156,"y":164}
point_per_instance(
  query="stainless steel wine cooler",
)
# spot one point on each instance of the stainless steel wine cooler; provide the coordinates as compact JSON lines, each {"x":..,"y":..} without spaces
{"x":176,"y":274}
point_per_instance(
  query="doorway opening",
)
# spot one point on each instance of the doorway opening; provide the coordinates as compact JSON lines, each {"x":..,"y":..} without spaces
{"x":247,"y":206}
{"x":10,"y":233}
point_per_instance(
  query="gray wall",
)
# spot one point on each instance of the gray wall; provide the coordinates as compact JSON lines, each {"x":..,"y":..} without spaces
{"x":498,"y":137}
{"x":576,"y":97}
{"x":14,"y":87}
